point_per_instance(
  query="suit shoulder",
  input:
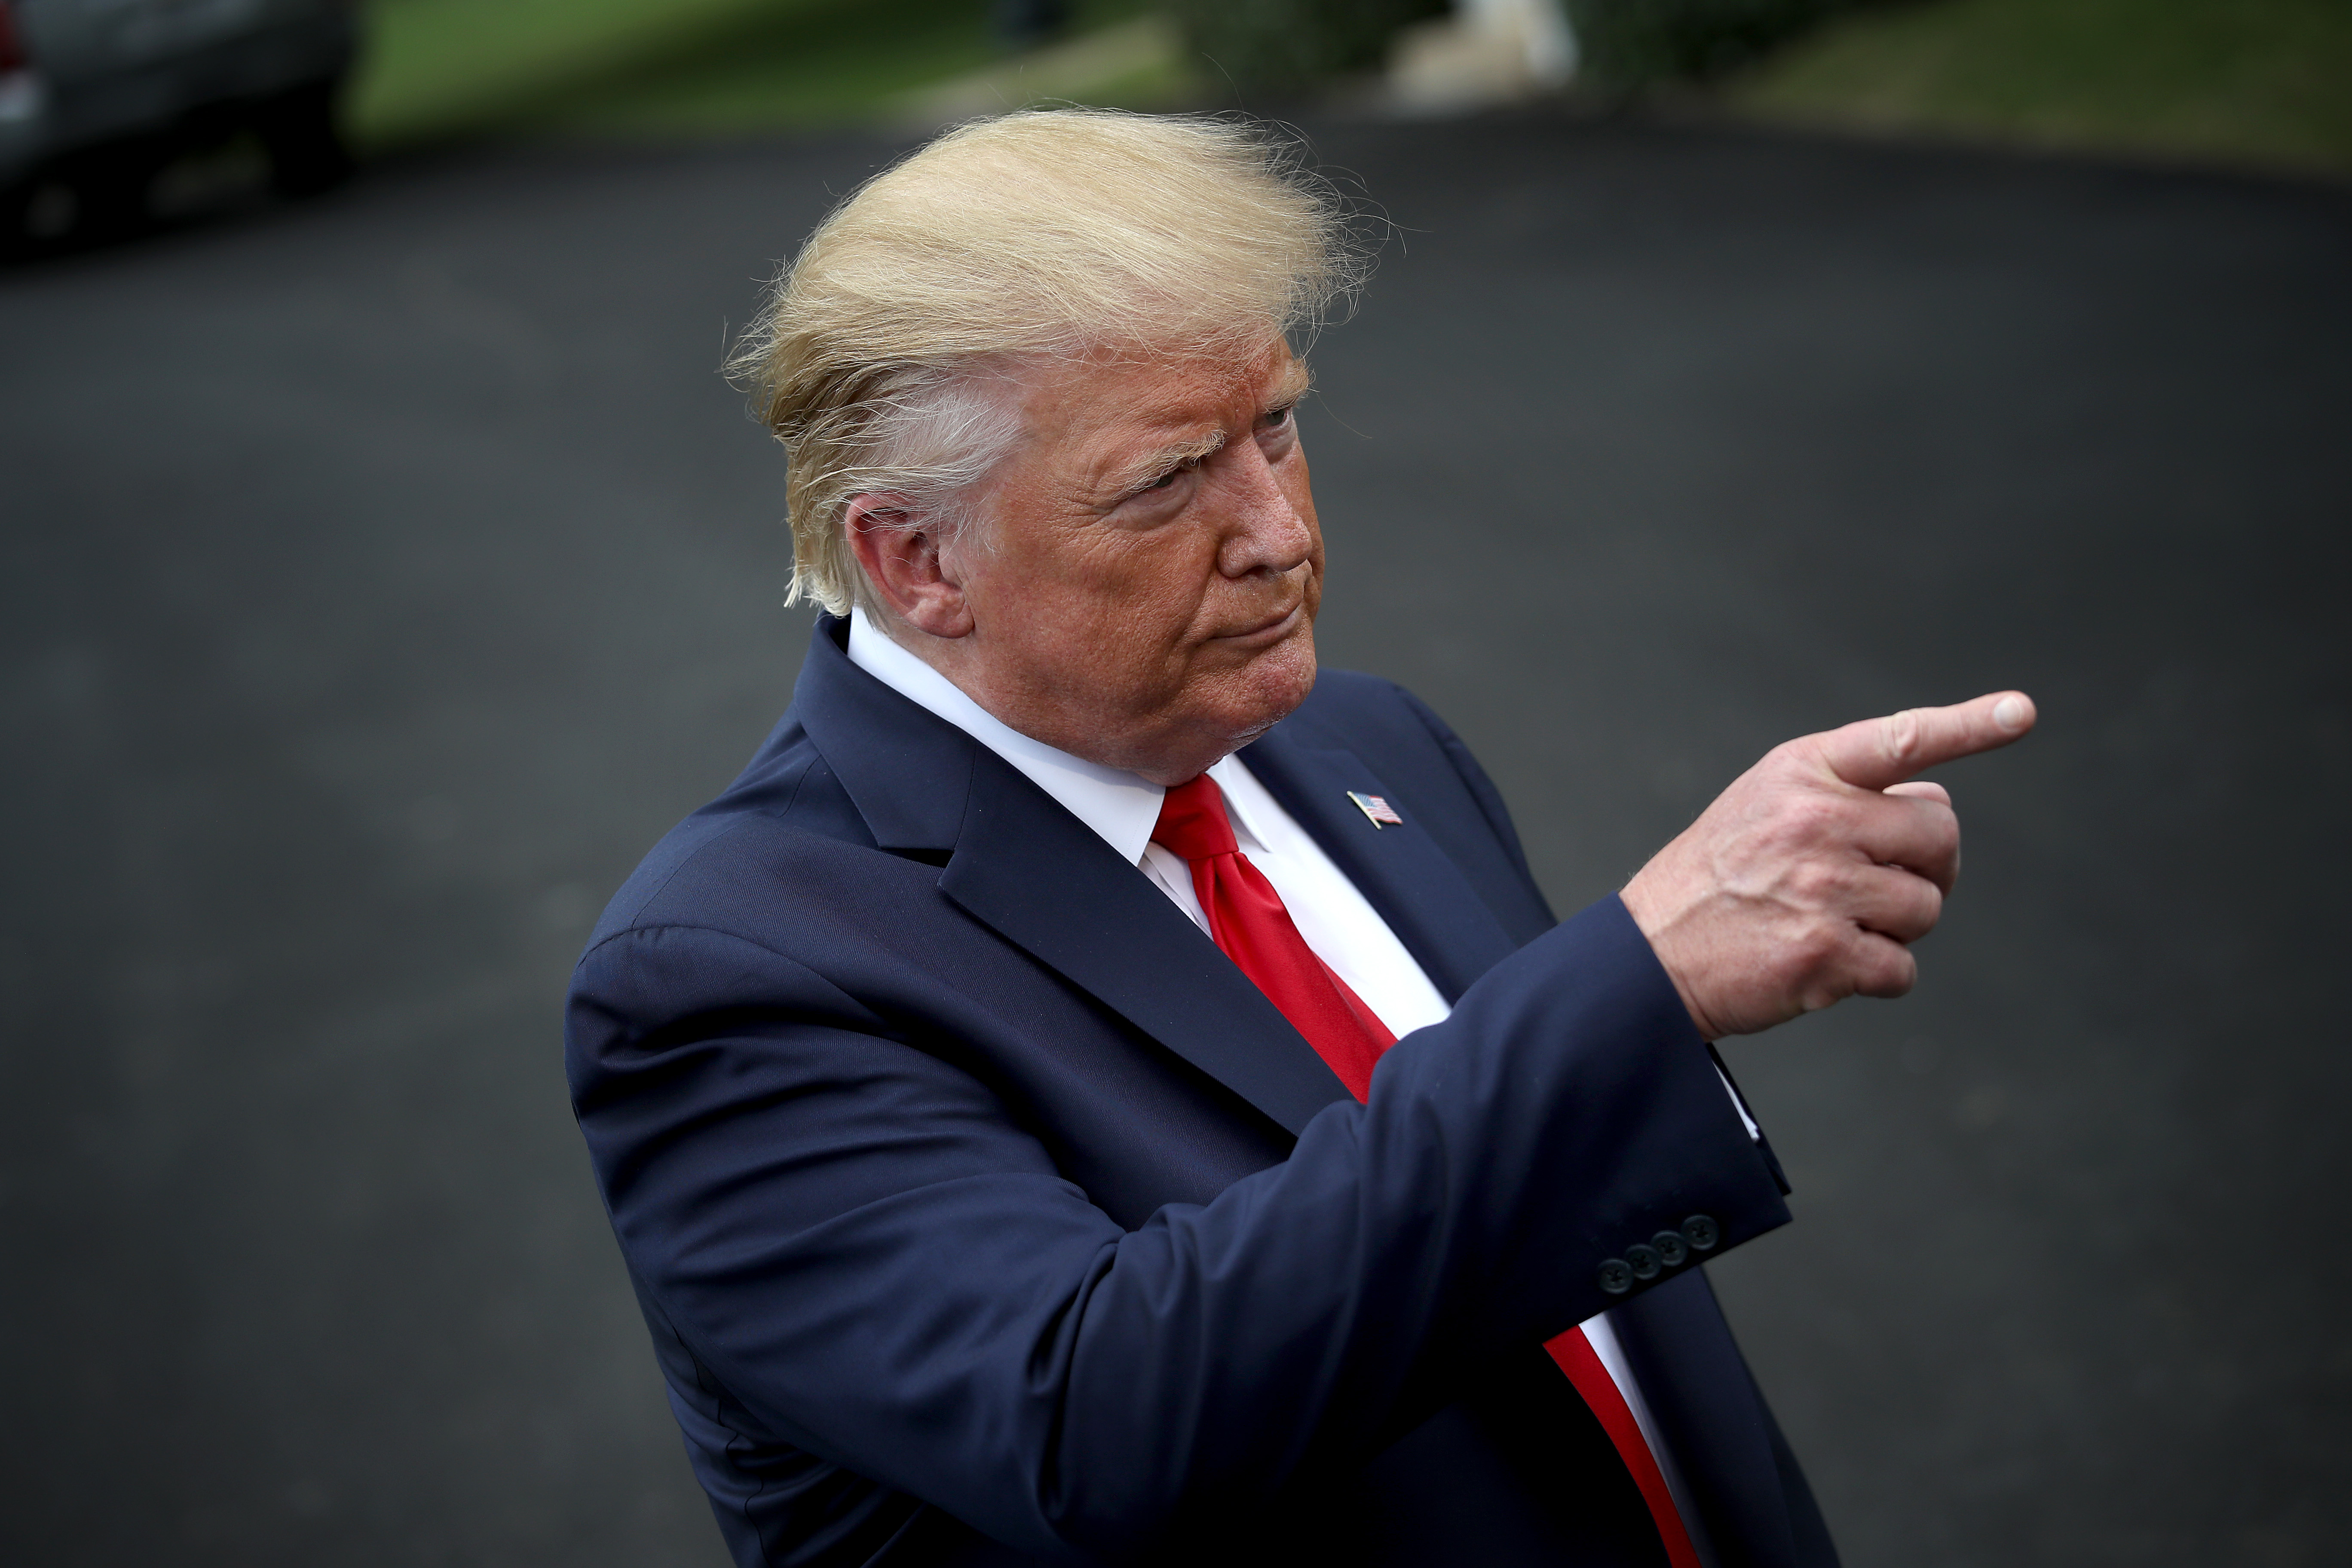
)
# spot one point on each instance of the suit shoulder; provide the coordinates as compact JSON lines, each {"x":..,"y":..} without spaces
{"x":1369,"y":713}
{"x":1350,"y":692}
{"x":1348,"y":701}
{"x":784,"y":811}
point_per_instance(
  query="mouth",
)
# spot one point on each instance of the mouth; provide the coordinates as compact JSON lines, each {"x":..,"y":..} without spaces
{"x":1270,"y":630}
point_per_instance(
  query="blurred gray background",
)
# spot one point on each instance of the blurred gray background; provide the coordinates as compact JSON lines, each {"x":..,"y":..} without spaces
{"x":379,"y":579}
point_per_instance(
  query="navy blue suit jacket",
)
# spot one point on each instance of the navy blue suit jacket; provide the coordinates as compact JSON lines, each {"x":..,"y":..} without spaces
{"x":982,"y":1212}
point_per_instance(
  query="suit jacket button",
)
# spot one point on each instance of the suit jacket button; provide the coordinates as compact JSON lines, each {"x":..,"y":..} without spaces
{"x":1642,"y":1260}
{"x":1672,"y":1250}
{"x":1702,"y":1233}
{"x":1616,"y":1277}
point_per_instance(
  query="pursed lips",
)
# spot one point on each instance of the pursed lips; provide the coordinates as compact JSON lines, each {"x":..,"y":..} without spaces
{"x":1269,"y":627}
{"x":1276,"y":624}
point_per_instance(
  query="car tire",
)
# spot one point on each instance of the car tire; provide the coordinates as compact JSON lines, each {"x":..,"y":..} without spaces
{"x":33,"y":211}
{"x":87,"y":197}
{"x":302,"y":134}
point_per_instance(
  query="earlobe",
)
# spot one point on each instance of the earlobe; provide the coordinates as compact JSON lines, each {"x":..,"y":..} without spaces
{"x":902,"y":560}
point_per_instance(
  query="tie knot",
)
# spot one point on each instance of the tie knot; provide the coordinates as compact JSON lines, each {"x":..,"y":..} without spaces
{"x":1193,"y":823}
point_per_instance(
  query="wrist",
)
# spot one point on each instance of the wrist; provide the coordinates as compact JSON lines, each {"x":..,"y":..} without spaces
{"x":1655,"y":915}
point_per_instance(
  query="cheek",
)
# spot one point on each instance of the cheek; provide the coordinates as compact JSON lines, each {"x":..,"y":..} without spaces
{"x":1114,"y":611}
{"x":1148,"y":590}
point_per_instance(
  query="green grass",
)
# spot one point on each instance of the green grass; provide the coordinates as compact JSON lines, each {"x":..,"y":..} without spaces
{"x":2250,"y":81}
{"x":446,"y":70}
{"x":2262,"y":82}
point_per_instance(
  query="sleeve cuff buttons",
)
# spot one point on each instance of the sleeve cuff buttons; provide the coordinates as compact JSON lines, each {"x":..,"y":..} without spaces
{"x":1667,"y":1249}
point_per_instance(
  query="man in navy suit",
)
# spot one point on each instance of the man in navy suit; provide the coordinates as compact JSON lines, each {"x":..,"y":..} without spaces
{"x":1095,"y":1088}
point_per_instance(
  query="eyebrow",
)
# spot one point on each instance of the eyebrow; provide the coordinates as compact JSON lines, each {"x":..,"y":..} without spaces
{"x":1159,"y":462}
{"x":1295,"y":383}
{"x":1297,"y":379}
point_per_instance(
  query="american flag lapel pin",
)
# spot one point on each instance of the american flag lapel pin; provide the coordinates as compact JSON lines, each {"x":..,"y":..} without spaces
{"x":1381,"y":813}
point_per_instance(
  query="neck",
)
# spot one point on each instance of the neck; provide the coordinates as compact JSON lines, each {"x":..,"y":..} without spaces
{"x":1158,"y":759}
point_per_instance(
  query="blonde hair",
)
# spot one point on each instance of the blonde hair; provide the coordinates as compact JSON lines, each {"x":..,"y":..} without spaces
{"x":888,"y":357}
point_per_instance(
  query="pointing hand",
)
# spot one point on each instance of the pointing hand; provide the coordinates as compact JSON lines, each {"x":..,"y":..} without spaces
{"x":1805,"y":882}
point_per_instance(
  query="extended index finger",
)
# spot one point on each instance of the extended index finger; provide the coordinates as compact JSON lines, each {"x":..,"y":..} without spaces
{"x":1877,"y":752}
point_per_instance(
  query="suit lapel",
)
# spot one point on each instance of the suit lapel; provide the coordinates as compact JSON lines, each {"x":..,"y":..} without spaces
{"x":1045,"y":882}
{"x":1399,"y":868}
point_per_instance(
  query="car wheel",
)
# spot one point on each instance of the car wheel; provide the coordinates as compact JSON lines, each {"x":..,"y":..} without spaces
{"x":300,"y":132}
{"x":111,"y":191}
{"x":35,"y":212}
{"x":91,"y":197}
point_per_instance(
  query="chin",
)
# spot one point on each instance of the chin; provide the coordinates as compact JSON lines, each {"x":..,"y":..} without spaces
{"x":1273,"y":686}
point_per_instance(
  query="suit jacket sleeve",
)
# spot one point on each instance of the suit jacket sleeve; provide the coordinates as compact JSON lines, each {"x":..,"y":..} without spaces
{"x":864,"y":1247}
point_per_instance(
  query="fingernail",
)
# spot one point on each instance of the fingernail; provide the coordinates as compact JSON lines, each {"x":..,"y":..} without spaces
{"x":2009,"y":712}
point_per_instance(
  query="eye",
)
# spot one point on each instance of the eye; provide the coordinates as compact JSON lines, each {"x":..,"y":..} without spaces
{"x":1274,"y":418}
{"x":1164,"y":480}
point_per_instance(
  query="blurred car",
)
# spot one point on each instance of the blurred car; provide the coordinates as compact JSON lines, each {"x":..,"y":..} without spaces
{"x":96,"y":96}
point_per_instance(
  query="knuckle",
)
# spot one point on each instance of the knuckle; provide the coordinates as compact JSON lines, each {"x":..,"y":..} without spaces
{"x":1818,"y":883}
{"x":1814,"y":809}
{"x":1816,"y":948}
{"x":1809,"y":816}
{"x":1901,"y":736}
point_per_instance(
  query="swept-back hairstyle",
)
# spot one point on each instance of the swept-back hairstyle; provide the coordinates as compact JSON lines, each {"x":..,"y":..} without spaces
{"x":888,"y":355}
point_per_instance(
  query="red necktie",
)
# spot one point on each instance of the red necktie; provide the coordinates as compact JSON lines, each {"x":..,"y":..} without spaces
{"x":1247,"y":922}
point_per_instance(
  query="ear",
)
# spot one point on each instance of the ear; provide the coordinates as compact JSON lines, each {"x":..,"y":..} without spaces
{"x":901,"y":559}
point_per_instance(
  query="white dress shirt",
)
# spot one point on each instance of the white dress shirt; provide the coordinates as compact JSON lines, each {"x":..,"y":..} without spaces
{"x":1335,"y":920}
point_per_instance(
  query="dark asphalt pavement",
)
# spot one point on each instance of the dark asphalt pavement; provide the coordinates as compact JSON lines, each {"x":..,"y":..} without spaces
{"x":379,"y":579}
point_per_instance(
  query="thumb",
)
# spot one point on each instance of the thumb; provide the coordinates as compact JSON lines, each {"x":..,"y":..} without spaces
{"x":1876,"y":752}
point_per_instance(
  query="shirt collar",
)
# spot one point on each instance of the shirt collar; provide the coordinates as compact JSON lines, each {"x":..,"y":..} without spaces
{"x":1121,"y":807}
{"x":1241,"y":791}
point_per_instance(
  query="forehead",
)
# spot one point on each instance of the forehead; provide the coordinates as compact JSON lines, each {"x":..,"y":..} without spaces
{"x":1172,"y":395}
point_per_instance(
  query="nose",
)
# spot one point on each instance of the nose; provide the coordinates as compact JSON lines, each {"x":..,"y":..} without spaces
{"x":1263,"y":532}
